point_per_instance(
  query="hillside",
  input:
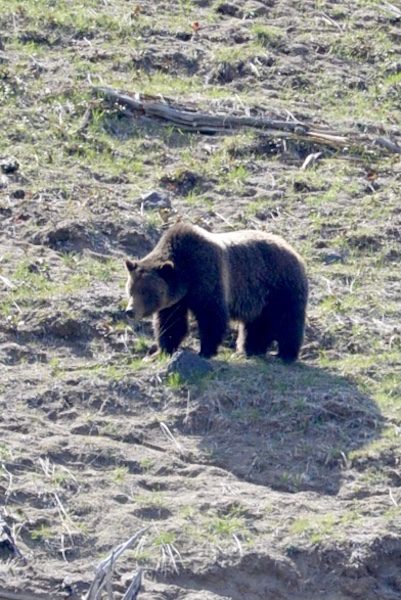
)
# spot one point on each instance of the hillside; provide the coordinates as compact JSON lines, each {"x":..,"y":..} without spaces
{"x":260,"y":480}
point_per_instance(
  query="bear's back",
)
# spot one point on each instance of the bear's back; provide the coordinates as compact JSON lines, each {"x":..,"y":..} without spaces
{"x":257,"y":264}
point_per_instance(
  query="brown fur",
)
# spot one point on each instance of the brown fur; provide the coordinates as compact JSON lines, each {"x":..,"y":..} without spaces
{"x":248,"y":276}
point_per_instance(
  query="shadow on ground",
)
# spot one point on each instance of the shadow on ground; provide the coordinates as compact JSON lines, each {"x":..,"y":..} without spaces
{"x":286,"y":427}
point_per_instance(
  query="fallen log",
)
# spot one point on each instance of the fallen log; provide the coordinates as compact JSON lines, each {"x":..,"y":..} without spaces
{"x":165,"y":111}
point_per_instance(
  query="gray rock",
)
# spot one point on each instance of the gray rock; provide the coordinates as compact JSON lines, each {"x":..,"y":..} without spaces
{"x":155,"y":199}
{"x":189,"y":365}
{"x":231,"y":10}
{"x":330,"y":256}
{"x":299,"y":49}
{"x":18,"y":194}
{"x":9,"y":165}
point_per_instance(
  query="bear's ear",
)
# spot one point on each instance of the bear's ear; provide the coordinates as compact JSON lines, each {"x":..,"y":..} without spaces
{"x":131,"y":265}
{"x":166,"y":268}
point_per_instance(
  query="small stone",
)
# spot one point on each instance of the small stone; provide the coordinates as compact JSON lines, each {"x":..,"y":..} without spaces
{"x":261,"y":215}
{"x":331,"y":256}
{"x":299,"y":49}
{"x":184,"y":36}
{"x":9,"y":165}
{"x":18,"y":194}
{"x":121,"y":498}
{"x":189,"y":365}
{"x":155,"y":199}
{"x":3,"y":182}
{"x":231,"y":10}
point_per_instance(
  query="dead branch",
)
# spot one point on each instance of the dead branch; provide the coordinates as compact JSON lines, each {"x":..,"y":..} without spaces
{"x":134,"y":587}
{"x":104,"y":573}
{"x":166,"y":111}
{"x":388,"y":144}
{"x":8,"y":595}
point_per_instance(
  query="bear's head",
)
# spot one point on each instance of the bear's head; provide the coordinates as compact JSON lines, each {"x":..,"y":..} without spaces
{"x":152,"y":287}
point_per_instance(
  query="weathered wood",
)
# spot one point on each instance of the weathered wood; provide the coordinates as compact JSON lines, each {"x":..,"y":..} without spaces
{"x":152,"y":107}
{"x":104,"y":572}
{"x":9,"y":595}
{"x":186,"y":118}
{"x":388,"y":144}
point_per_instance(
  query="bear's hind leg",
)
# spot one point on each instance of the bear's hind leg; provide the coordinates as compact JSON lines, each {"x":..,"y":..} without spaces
{"x":171,"y":326}
{"x":255,"y":337}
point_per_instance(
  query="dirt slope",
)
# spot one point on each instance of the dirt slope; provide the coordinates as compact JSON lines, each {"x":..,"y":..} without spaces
{"x":260,"y":480}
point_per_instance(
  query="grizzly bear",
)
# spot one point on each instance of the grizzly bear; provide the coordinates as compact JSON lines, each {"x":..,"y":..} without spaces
{"x":251,"y":277}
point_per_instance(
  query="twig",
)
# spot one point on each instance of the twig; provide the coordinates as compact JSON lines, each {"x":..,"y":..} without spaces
{"x":329,"y":20}
{"x":168,"y":559}
{"x":391,"y":8}
{"x":7,"y":282}
{"x":226,"y":221}
{"x":170,"y":436}
{"x":10,"y":481}
{"x":310,"y":160}
{"x":238,"y":543}
{"x":393,"y":500}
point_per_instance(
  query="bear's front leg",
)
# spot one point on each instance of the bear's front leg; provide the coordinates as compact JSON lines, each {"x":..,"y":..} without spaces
{"x":170,"y":327}
{"x":212,"y":322}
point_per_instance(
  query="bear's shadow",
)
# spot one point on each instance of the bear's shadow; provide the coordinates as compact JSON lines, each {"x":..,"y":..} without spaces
{"x":288,"y":427}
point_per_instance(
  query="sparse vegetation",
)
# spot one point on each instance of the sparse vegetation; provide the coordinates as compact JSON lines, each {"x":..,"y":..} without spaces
{"x":174,"y":381}
{"x":312,"y":451}
{"x":268,"y":35}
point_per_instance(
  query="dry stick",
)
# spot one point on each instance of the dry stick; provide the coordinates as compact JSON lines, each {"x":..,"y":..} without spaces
{"x":189,"y":119}
{"x":194,"y":120}
{"x":171,"y":437}
{"x":10,"y":481}
{"x":105,"y":568}
{"x":134,"y":587}
{"x":8,"y":595}
{"x":391,"y":8}
{"x":388,"y":144}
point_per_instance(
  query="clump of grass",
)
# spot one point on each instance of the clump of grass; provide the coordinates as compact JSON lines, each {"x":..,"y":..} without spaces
{"x":119,"y":474}
{"x":42,"y":533}
{"x":267,"y":35}
{"x":164,"y":537}
{"x":315,"y":529}
{"x":5,"y":452}
{"x":174,"y":381}
{"x":146,"y":464}
{"x":153,"y":499}
{"x":364,"y":46}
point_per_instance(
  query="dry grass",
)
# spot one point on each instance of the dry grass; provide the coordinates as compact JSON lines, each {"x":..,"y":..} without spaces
{"x":261,"y":477}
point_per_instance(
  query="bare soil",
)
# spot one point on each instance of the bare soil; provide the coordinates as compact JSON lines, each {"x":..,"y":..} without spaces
{"x":258,"y":480}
